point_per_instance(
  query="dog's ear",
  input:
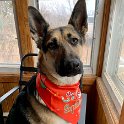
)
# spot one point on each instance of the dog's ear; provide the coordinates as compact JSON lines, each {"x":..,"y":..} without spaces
{"x":79,"y":17}
{"x":38,"y":25}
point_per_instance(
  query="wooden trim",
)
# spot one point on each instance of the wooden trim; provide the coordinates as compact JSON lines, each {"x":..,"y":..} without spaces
{"x":98,"y":112}
{"x":88,"y":84}
{"x":89,"y":87}
{"x":12,"y":78}
{"x":122,"y":116}
{"x":105,"y":22}
{"x":25,"y":46}
{"x":110,"y":111}
{"x":88,"y":80}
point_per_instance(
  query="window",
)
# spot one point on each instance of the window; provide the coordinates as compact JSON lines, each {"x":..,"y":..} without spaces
{"x":9,"y":51}
{"x":113,"y":70}
{"x":58,"y":13}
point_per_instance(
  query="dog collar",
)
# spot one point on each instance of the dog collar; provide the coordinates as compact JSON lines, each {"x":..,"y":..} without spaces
{"x":65,"y":101}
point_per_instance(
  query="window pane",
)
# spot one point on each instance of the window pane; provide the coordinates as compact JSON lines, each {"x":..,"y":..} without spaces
{"x":58,"y":12}
{"x":9,"y":51}
{"x":113,"y":71}
{"x":121,"y":65}
{"x":116,"y":48}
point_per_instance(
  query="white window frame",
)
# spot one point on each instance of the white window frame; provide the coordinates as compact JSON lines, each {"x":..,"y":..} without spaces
{"x":99,"y":9}
{"x":33,"y":3}
{"x":97,"y":34}
{"x":111,"y":60}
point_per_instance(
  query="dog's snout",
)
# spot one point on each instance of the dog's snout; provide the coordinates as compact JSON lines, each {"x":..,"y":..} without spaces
{"x":73,"y":65}
{"x":70,"y":67}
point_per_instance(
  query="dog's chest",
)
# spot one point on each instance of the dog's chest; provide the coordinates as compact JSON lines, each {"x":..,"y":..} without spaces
{"x":37,"y":113}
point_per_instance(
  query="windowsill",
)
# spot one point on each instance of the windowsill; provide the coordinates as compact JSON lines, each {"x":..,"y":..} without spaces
{"x":9,"y":68}
{"x":113,"y":92}
{"x":108,"y":105}
{"x":13,"y":77}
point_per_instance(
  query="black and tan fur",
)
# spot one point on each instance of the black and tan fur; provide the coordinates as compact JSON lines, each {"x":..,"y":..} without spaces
{"x":60,"y":59}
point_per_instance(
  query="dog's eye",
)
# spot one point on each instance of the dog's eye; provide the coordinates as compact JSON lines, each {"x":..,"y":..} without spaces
{"x":52,"y":45}
{"x":74,"y":41}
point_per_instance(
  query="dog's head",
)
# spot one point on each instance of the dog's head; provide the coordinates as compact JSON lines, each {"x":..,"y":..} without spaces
{"x":61,"y":47}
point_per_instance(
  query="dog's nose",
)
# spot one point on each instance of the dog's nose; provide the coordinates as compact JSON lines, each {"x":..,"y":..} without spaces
{"x":73,"y":64}
{"x":70,"y":67}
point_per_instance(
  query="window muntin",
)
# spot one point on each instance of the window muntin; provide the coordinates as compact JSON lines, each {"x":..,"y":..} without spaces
{"x":9,"y":51}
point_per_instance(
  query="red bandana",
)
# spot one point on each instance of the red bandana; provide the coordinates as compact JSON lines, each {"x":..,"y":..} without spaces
{"x":65,"y":101}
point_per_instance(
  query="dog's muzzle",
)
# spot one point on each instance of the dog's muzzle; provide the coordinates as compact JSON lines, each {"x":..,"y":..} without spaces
{"x":70,"y":67}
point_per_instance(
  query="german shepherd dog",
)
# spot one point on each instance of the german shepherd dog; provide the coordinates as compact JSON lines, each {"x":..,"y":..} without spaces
{"x":53,"y":96}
